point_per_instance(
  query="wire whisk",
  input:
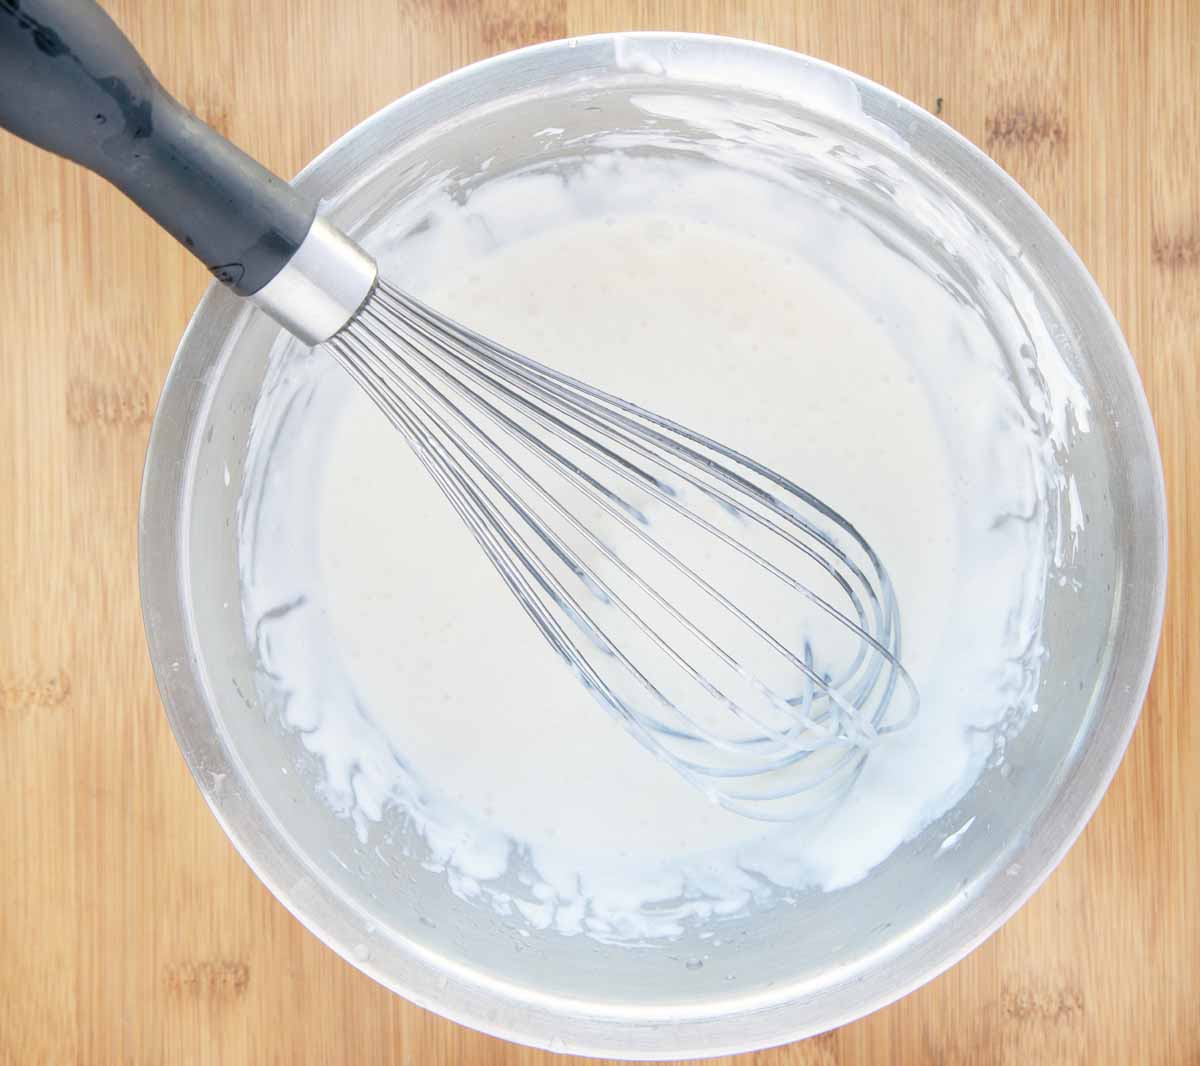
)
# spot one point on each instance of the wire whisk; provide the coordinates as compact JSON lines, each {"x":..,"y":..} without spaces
{"x":739,"y":628}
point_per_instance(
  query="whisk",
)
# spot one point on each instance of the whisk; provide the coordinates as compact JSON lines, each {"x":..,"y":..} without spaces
{"x":738,"y":627}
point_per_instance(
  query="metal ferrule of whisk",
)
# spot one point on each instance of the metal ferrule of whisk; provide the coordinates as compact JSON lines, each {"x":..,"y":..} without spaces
{"x":741,"y":629}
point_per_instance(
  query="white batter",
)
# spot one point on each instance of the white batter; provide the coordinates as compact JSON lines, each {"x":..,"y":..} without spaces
{"x":782,"y":328}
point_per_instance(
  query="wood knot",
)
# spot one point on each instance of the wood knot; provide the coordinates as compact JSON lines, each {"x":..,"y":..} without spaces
{"x":216,"y":116}
{"x":37,"y":693}
{"x":121,"y":404}
{"x":209,"y":978}
{"x":1025,"y":127}
{"x":822,"y":1049}
{"x":1058,"y":1004}
{"x":519,"y":26}
{"x":1176,"y":253}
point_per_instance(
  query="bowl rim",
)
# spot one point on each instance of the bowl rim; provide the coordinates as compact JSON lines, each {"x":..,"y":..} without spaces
{"x":510,"y":1011}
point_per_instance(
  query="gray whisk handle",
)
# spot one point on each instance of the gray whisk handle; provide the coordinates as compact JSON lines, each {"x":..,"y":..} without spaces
{"x":72,"y":83}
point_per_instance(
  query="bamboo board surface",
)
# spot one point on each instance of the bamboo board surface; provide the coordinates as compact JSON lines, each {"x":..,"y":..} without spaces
{"x":130,"y":930}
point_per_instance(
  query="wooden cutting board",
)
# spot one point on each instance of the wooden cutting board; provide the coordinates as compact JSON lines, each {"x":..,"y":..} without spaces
{"x":131,"y":932}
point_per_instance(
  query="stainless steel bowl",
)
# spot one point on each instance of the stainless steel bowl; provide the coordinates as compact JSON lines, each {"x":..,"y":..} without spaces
{"x":801,"y":968}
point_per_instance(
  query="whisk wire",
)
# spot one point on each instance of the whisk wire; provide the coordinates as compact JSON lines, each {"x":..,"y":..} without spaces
{"x":418,"y":396}
{"x":667,"y":496}
{"x":471,"y":409}
{"x":462,"y":496}
{"x":411,"y":324}
{"x":592,"y":491}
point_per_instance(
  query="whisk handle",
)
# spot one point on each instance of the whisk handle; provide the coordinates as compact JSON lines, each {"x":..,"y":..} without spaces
{"x":72,"y":83}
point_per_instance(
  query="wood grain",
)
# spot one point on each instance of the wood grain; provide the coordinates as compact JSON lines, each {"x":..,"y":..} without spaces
{"x":130,"y":931}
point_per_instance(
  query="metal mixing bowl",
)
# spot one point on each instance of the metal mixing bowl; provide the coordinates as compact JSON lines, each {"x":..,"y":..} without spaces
{"x":805,"y":966}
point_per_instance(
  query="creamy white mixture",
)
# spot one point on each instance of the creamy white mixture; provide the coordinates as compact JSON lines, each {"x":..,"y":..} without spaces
{"x":776,"y":324}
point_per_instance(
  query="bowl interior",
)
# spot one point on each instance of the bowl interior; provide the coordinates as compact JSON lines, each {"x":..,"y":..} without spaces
{"x":801,"y":966}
